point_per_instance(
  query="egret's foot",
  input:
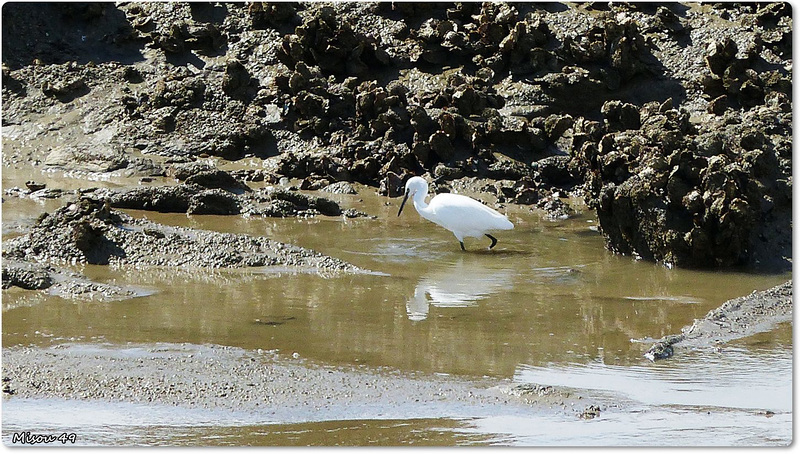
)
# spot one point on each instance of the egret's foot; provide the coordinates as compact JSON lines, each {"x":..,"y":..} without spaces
{"x":462,"y":246}
{"x":494,"y":240}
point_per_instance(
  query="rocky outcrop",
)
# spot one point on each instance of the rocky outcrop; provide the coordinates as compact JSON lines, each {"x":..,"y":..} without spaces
{"x":686,"y":196}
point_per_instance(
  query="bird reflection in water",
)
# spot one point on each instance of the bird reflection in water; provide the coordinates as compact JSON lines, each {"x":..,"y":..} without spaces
{"x":461,"y":284}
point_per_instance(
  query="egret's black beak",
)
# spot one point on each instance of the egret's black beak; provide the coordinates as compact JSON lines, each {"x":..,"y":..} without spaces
{"x":403,"y":204}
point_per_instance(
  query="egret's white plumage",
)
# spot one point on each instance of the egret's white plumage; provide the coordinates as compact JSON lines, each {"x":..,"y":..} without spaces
{"x":463,"y":216}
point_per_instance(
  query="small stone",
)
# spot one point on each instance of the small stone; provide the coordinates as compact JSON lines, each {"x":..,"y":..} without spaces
{"x":752,"y":140}
{"x":720,"y":54}
{"x":659,"y":350}
{"x":34,"y":186}
{"x":391,"y":185}
{"x":340,"y":187}
{"x":590,"y":412}
{"x":441,"y":145}
{"x":619,"y":116}
{"x":718,"y":105}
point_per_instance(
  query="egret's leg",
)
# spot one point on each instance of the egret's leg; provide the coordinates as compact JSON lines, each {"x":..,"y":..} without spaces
{"x":462,"y":245}
{"x":494,"y":240}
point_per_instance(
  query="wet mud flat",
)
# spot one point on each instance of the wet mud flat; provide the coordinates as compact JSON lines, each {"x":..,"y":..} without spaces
{"x":271,"y":388}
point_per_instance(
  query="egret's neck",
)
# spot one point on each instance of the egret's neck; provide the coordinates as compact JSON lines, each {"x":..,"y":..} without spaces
{"x":419,"y":203}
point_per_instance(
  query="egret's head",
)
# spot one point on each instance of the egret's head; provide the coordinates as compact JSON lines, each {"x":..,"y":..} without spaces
{"x":414,"y":185}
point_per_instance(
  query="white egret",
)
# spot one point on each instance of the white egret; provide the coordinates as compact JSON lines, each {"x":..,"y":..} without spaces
{"x":463,"y":216}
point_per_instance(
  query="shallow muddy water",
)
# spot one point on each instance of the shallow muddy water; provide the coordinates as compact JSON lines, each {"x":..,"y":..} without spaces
{"x":548,"y":305}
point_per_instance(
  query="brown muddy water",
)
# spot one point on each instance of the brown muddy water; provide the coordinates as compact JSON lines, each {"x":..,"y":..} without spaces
{"x":549,"y":305}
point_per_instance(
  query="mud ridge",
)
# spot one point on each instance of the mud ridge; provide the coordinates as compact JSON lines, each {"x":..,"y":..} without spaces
{"x":734,"y":319}
{"x":89,"y":231}
{"x":283,"y":390}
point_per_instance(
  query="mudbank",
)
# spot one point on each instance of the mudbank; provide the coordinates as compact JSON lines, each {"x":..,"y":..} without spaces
{"x":672,"y":120}
{"x":736,"y":318}
{"x":88,"y":231}
{"x":195,"y":376}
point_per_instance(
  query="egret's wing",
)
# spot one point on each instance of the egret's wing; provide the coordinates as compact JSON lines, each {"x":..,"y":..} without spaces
{"x":460,"y":213}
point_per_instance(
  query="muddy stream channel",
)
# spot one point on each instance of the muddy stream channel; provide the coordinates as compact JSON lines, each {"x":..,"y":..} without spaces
{"x":434,"y":346}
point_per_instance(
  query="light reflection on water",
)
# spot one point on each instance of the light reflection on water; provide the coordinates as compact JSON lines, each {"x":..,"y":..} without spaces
{"x":729,"y":397}
{"x":448,"y":287}
{"x":129,"y":424}
{"x":731,"y":378}
{"x":667,"y":427}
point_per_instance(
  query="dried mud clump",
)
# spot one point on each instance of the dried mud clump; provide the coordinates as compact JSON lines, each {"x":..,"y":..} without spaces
{"x":30,"y":276}
{"x":208,"y":190}
{"x":183,"y":198}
